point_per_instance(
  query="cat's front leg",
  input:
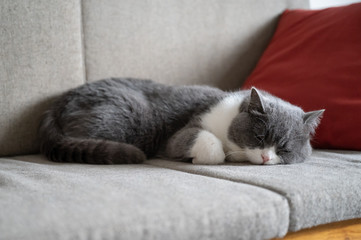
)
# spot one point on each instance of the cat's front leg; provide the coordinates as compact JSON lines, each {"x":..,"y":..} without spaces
{"x":200,"y":145}
{"x":207,"y":149}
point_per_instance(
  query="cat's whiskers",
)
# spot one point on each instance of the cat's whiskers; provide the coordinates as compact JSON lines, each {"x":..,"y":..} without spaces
{"x":230,"y":153}
{"x":235,"y":155}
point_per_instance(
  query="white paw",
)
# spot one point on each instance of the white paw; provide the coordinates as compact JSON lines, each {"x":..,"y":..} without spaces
{"x":207,"y":149}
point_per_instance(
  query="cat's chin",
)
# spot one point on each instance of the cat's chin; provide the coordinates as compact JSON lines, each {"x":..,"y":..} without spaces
{"x":259,"y":156}
{"x":266,"y":156}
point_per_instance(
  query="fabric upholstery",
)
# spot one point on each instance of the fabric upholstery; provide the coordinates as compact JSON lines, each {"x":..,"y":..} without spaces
{"x":45,"y":200}
{"x":315,"y":55}
{"x":40,"y":56}
{"x":179,"y":42}
{"x":325,"y":188}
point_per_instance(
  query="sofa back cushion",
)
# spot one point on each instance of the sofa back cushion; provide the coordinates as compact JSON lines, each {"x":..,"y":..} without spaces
{"x":40,"y":56}
{"x":179,"y":41}
{"x":176,"y":41}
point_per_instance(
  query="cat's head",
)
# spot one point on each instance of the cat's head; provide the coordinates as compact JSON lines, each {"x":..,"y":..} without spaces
{"x":269,"y":130}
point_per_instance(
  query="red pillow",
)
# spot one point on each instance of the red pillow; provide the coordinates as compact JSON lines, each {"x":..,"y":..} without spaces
{"x":314,"y":61}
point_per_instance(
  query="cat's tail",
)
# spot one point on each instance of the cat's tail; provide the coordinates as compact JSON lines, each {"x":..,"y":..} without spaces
{"x":60,"y":148}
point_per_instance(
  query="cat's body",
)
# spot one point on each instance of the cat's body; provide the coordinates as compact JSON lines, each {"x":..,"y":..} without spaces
{"x":129,"y":120}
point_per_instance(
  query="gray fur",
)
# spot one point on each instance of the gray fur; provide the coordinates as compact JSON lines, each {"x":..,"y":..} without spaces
{"x":179,"y":145}
{"x":84,"y":122}
{"x":129,"y":120}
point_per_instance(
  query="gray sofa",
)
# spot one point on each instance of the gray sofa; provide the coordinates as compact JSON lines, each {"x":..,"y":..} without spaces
{"x":48,"y":47}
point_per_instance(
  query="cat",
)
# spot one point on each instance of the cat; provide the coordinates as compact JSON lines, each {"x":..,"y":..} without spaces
{"x":124,"y":120}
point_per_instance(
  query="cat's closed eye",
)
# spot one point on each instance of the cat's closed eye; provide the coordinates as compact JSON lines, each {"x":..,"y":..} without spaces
{"x":260,"y":138}
{"x":283,"y":151}
{"x":261,"y":135}
{"x":283,"y":148}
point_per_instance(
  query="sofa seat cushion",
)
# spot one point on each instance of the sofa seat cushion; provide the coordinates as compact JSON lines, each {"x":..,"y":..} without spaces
{"x":45,"y":200}
{"x":325,"y":188}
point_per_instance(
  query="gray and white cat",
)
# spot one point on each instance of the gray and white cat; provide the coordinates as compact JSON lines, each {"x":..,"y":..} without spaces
{"x":128,"y":120}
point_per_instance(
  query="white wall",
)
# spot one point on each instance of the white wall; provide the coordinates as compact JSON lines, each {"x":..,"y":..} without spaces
{"x":318,"y":4}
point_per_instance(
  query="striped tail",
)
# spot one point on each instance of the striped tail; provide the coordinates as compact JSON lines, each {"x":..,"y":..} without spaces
{"x":60,"y":148}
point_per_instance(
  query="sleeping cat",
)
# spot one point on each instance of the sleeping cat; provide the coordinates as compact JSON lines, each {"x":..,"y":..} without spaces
{"x":116,"y":121}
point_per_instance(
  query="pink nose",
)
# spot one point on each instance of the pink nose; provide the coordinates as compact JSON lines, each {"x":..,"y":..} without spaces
{"x":265,"y":158}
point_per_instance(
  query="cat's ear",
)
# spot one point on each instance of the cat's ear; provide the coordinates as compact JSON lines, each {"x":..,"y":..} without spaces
{"x":311,"y":120}
{"x":255,"y":103}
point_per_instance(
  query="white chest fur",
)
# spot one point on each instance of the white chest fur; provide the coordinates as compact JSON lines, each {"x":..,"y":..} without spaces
{"x":220,"y":117}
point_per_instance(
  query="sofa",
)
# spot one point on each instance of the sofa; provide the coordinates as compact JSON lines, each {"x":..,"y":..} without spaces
{"x":48,"y":47}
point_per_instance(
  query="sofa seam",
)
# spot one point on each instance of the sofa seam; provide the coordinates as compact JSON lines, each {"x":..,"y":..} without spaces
{"x":222,"y":178}
{"x":82,"y":42}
